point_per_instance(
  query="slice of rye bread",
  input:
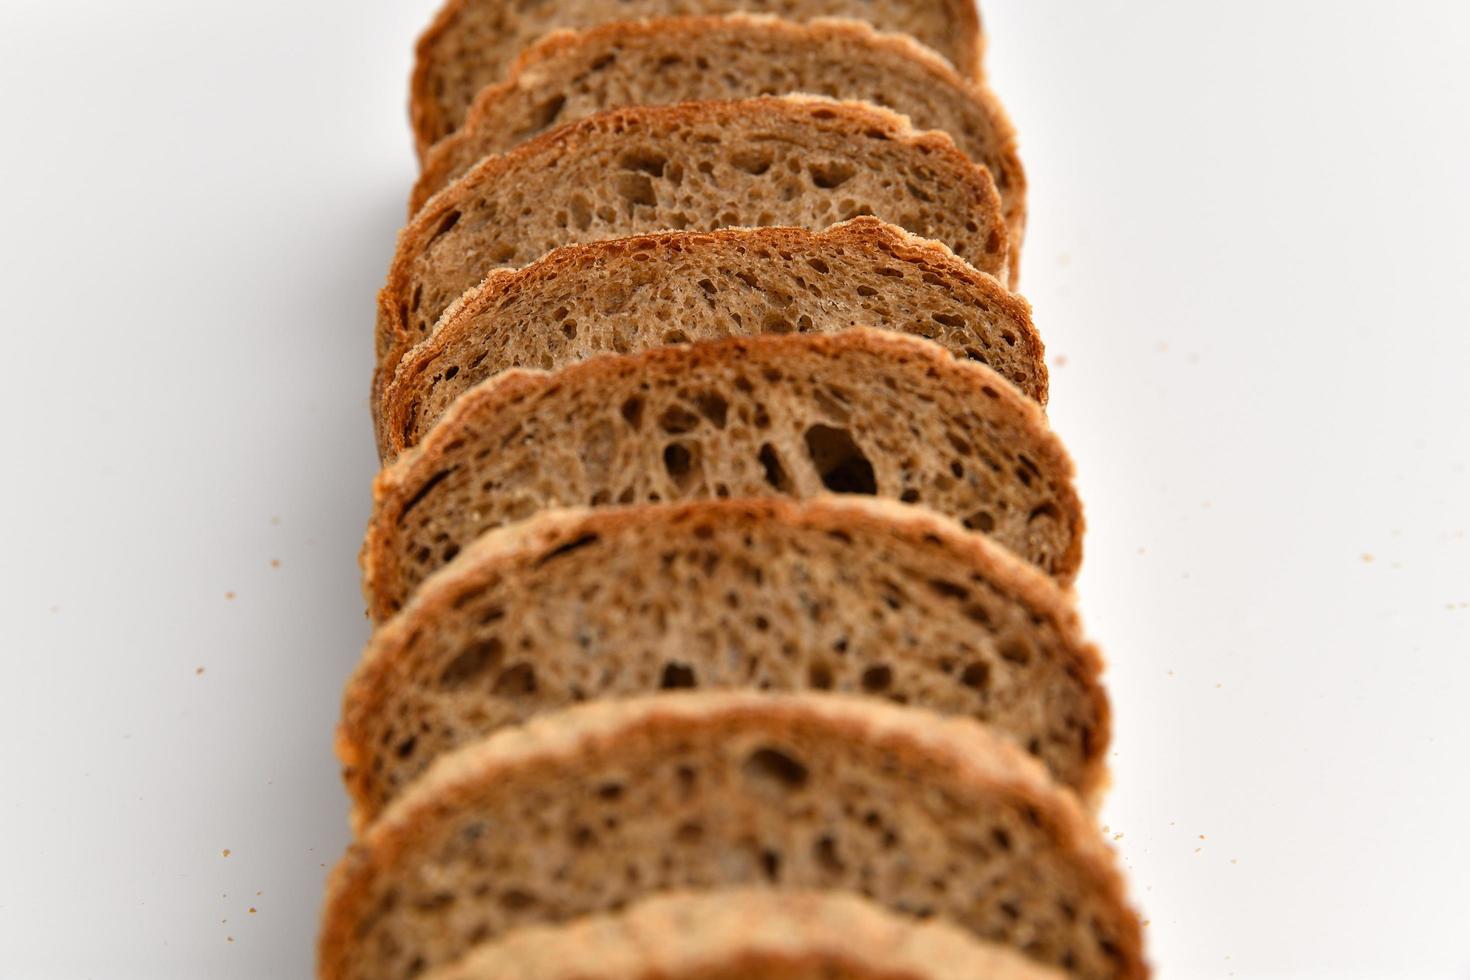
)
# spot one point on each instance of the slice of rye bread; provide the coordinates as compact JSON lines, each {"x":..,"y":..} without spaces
{"x":472,"y":43}
{"x":601,"y":805}
{"x":571,"y":75}
{"x":835,"y":594}
{"x":795,"y":160}
{"x":630,"y":294}
{"x":861,"y":411}
{"x":740,"y":933}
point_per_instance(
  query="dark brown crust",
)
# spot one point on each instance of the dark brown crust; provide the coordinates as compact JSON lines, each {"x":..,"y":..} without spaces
{"x":452,"y":154}
{"x":393,"y":333}
{"x":956,"y":753}
{"x":495,"y":554}
{"x":427,"y":121}
{"x":415,"y":364}
{"x":397,"y":484}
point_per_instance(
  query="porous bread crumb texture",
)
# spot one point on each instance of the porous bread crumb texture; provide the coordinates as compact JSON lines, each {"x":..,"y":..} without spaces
{"x":859,"y":412}
{"x":472,"y":43}
{"x":573,"y":75}
{"x":699,"y":166}
{"x":632,"y":294}
{"x":927,"y":818}
{"x":837,"y":594}
{"x":740,"y":933}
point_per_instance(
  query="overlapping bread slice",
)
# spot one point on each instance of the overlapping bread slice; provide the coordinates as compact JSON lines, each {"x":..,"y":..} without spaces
{"x":801,"y":161}
{"x":602,"y":805}
{"x":570,"y":75}
{"x":861,"y":411}
{"x":840,"y":593}
{"x":744,"y":933}
{"x":472,"y":43}
{"x":631,"y":294}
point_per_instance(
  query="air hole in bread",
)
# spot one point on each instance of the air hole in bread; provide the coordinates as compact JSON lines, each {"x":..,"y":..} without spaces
{"x":676,"y":337}
{"x":819,"y":676}
{"x":752,"y":160}
{"x":632,"y":412}
{"x":776,"y":474}
{"x":677,"y":420}
{"x":825,"y":851}
{"x":547,"y":112}
{"x":677,"y":676}
{"x":518,"y":679}
{"x":516,"y":900}
{"x":776,"y":323}
{"x":976,"y":676}
{"x":1047,"y":511}
{"x":1015,"y":652}
{"x":831,"y":174}
{"x":636,"y":190}
{"x":981,"y":520}
{"x":447,"y":222}
{"x":712,"y":405}
{"x":771,"y":865}
{"x":841,"y":465}
{"x":775,"y":770}
{"x":561,"y":551}
{"x":950,"y":590}
{"x":877,"y":678}
{"x":950,"y":320}
{"x":679,"y":464}
{"x":819,"y":266}
{"x":472,"y":664}
{"x":581,"y":211}
{"x":644,"y":161}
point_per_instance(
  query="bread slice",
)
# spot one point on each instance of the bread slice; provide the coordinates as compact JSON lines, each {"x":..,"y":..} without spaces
{"x":843,"y":594}
{"x":631,"y":294}
{"x":860,"y":411}
{"x":570,"y":75}
{"x":472,"y":43}
{"x":602,"y":805}
{"x":740,"y":933}
{"x":695,"y":166}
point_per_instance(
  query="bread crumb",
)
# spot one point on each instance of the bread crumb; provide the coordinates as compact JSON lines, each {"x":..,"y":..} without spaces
{"x":275,"y":563}
{"x":225,"y":852}
{"x":275,"y":519}
{"x":198,"y":671}
{"x":1367,"y":558}
{"x":252,"y":910}
{"x":1059,"y":361}
{"x":229,"y":939}
{"x":229,"y":595}
{"x":1201,"y":836}
{"x":1162,"y":348}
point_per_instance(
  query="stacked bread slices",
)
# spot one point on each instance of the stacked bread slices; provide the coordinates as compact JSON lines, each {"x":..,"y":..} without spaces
{"x":720,"y":563}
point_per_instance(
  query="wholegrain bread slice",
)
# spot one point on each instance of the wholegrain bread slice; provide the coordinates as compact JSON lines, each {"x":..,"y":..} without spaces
{"x":570,"y":75}
{"x":842,"y":593}
{"x":744,"y":933}
{"x":472,"y":43}
{"x":801,"y":161}
{"x":861,"y":411}
{"x":593,"y":808}
{"x":631,"y":294}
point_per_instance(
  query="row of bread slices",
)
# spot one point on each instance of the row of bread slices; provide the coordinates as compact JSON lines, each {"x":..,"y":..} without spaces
{"x":719,"y":576}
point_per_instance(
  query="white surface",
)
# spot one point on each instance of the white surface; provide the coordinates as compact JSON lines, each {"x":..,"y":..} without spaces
{"x":1248,"y":255}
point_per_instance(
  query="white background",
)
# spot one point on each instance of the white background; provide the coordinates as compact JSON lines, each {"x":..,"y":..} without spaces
{"x":1248,"y":255}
